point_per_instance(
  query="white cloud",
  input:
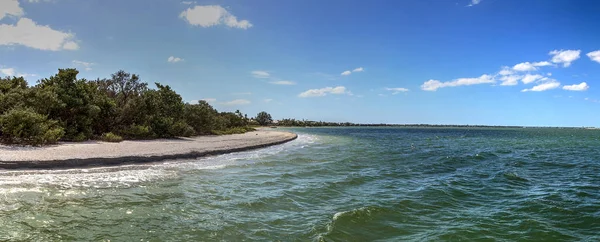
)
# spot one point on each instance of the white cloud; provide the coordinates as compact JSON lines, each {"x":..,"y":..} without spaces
{"x":594,"y":55}
{"x":510,"y":80}
{"x":268,"y":100}
{"x":433,"y":85}
{"x":283,"y":82}
{"x":12,"y":72}
{"x":26,"y":32}
{"x":548,"y":85}
{"x":86,"y":65}
{"x":188,"y":2}
{"x":346,"y":73}
{"x":525,"y":66}
{"x":212,"y":15}
{"x":531,"y":78}
{"x":577,"y":87}
{"x":473,"y":3}
{"x":505,"y":71}
{"x":260,"y":74}
{"x":173,"y":59}
{"x":236,"y":102}
{"x":7,"y":71}
{"x":396,"y":90}
{"x":209,"y":100}
{"x":10,"y":8}
{"x":324,"y":91}
{"x":564,"y":57}
{"x":542,"y":63}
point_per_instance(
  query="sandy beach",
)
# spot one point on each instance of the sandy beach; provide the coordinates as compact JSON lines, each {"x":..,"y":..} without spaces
{"x":97,"y":153}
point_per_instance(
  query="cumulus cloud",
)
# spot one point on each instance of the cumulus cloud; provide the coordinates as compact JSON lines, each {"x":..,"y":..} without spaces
{"x":396,"y":90}
{"x":510,"y":80}
{"x":212,"y":15}
{"x":10,"y":8}
{"x":433,"y":85}
{"x":85,"y":65}
{"x":594,"y":55}
{"x":345,"y":73}
{"x":236,"y":102}
{"x":283,"y":82}
{"x":324,"y":91}
{"x":505,"y":71}
{"x":547,"y":85}
{"x":173,"y":59}
{"x":525,"y":66}
{"x":360,"y":69}
{"x":260,"y":74}
{"x":27,"y":33}
{"x":577,"y":87}
{"x":564,"y":57}
{"x":531,"y":78}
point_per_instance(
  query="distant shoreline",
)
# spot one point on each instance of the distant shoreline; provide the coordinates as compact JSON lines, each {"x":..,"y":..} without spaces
{"x":435,"y":126}
{"x":96,"y":153}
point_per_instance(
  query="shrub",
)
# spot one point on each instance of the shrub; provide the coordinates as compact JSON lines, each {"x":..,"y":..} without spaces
{"x":110,"y":137}
{"x":236,"y":130}
{"x":137,"y":132}
{"x":181,"y":129}
{"x":24,"y":126}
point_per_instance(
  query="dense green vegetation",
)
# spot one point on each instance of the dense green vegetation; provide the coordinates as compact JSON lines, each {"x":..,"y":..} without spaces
{"x":63,"y":107}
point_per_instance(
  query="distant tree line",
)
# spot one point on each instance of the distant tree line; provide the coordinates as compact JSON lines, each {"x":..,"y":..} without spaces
{"x":64,"y":107}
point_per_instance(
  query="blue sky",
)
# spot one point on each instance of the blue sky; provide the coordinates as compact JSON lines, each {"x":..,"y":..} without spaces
{"x":495,"y":62}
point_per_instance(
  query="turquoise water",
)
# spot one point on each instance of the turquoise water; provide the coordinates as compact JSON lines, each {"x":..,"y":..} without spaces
{"x":331,"y":184}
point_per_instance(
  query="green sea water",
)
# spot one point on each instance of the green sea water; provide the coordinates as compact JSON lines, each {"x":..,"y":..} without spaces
{"x":331,"y":184}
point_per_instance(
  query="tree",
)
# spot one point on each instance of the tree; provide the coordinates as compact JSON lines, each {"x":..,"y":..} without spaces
{"x":263,"y":118}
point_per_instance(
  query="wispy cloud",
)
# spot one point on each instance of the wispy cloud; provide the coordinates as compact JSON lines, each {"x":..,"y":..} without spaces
{"x":396,"y":90}
{"x":241,"y":93}
{"x":236,"y":102}
{"x":473,"y":3}
{"x":433,"y":85}
{"x":283,"y":82}
{"x":173,"y":59}
{"x":268,"y":100}
{"x":86,"y":65}
{"x":324,"y":91}
{"x":260,"y":74}
{"x":348,"y":72}
{"x":545,"y":86}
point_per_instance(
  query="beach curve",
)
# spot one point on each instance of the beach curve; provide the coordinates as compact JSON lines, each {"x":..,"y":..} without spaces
{"x":97,"y":153}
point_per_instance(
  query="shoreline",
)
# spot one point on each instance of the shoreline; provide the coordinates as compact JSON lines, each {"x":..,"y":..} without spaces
{"x":98,"y":153}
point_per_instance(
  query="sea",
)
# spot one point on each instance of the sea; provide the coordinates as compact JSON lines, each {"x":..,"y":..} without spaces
{"x":330,"y":184}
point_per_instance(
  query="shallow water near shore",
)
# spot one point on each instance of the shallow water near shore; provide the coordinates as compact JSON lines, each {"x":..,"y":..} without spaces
{"x":331,"y":184}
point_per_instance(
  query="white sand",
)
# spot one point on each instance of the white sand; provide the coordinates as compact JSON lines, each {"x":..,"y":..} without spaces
{"x":186,"y":147}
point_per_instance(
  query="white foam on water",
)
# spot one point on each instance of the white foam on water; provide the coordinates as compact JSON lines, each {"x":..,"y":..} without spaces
{"x":20,"y":181}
